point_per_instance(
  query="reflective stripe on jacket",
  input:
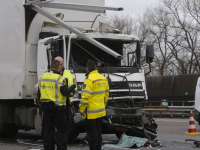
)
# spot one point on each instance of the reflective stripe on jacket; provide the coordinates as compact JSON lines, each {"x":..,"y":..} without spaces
{"x":49,"y":85}
{"x":94,"y":95}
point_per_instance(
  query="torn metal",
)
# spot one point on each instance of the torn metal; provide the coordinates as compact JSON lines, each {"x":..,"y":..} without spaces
{"x":130,"y":120}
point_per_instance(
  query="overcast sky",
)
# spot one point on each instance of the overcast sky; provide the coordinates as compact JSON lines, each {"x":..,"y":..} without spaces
{"x":132,"y":6}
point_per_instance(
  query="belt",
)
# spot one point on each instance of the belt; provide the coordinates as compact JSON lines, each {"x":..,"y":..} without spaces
{"x":52,"y":104}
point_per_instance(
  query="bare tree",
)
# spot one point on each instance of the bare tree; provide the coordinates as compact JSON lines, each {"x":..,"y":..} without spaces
{"x":155,"y":24}
{"x":128,"y":25}
{"x":173,"y":28}
{"x":192,"y":7}
{"x":186,"y":41}
{"x":175,"y":36}
{"x":125,"y":23}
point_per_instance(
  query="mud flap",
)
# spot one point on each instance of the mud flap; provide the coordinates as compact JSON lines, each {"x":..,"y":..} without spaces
{"x":39,"y":122}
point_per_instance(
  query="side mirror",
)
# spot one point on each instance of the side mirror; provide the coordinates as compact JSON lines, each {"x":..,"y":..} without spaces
{"x":54,"y":49}
{"x":149,"y":53}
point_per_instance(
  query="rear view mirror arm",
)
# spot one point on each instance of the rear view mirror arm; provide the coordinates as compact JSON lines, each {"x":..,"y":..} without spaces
{"x":149,"y":69}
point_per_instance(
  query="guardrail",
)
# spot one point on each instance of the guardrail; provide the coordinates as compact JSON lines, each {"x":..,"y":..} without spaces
{"x":169,"y":110}
{"x":170,"y":102}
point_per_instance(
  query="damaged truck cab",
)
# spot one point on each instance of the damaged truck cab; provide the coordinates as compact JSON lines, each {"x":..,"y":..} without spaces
{"x":126,"y":78}
{"x":42,"y":30}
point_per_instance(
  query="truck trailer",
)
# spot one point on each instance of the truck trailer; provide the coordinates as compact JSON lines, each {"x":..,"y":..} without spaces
{"x":38,"y":32}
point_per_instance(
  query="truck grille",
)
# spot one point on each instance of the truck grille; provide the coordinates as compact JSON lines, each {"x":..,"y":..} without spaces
{"x":126,"y":93}
{"x":118,"y":85}
{"x":118,"y":94}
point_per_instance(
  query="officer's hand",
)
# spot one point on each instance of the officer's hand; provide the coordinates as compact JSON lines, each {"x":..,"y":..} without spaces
{"x":71,"y":94}
{"x":83,"y":113}
{"x":75,"y":81}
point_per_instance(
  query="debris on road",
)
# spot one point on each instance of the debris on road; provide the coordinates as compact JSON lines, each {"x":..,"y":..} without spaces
{"x":128,"y":142}
{"x":197,"y":143}
{"x":149,"y":146}
{"x":110,"y":142}
{"x":27,"y":142}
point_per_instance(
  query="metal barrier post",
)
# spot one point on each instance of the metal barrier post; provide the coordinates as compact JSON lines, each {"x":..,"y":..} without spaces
{"x":172,"y":115}
{"x":183,"y":114}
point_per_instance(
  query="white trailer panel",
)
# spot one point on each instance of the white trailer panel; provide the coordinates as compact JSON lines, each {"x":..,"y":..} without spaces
{"x":197,"y":96}
{"x":18,"y":60}
{"x":36,"y":28}
{"x":12,"y":48}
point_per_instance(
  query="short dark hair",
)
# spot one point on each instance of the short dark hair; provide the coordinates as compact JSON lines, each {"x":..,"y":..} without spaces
{"x":91,"y":65}
{"x":55,"y":64}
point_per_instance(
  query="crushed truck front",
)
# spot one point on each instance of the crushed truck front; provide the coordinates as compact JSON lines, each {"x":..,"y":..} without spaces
{"x":127,"y":81}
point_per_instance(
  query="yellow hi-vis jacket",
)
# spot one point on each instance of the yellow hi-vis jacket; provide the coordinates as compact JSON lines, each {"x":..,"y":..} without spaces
{"x":49,"y":86}
{"x":94,"y":95}
{"x":67,"y":74}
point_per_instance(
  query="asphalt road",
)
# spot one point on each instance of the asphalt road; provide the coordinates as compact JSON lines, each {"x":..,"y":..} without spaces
{"x":171,"y":133}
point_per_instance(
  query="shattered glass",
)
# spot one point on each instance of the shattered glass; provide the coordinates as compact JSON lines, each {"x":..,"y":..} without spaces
{"x":127,"y":142}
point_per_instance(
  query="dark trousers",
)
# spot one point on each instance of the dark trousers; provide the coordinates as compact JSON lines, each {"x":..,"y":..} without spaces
{"x":52,"y":120}
{"x":68,"y":114}
{"x":93,"y":128}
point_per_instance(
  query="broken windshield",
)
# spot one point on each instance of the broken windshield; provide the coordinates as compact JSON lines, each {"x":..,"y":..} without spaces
{"x":82,"y":52}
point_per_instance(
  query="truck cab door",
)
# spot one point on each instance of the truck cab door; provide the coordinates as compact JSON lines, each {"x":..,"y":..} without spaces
{"x":48,"y":49}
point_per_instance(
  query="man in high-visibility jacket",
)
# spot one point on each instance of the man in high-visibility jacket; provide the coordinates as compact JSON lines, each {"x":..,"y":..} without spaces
{"x":53,"y":93}
{"x":66,"y":74}
{"x":94,"y":97}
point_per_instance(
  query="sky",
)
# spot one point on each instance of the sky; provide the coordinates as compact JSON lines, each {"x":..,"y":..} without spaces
{"x":131,"y":6}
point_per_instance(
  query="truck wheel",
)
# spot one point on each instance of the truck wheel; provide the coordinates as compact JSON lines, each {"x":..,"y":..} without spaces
{"x":199,"y":118}
{"x":72,"y":131}
{"x":3,"y":129}
{"x":7,"y":126}
{"x":12,"y":130}
{"x":8,"y":130}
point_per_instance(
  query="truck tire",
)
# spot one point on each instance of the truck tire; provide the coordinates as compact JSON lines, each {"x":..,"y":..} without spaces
{"x":7,"y":127}
{"x":12,"y":130}
{"x":72,"y":131}
{"x":199,"y":118}
{"x":3,"y":129}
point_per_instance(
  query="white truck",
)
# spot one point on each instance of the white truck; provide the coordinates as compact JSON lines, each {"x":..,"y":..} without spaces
{"x":197,"y":102}
{"x":34,"y":32}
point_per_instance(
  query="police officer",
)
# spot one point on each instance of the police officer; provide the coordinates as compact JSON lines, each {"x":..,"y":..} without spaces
{"x":53,"y":93}
{"x":67,"y":74}
{"x":94,"y":96}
